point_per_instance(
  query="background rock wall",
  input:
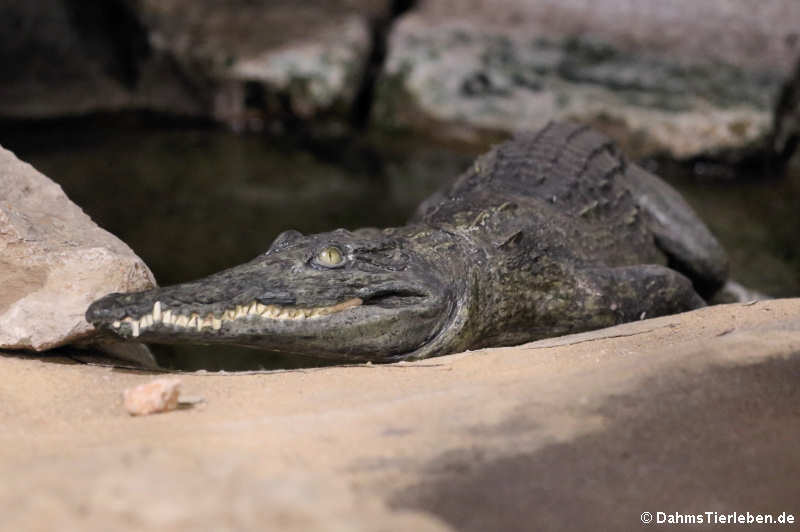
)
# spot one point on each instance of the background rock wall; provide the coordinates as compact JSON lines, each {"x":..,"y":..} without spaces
{"x":676,"y":77}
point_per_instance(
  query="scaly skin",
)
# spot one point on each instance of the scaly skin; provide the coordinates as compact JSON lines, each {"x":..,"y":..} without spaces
{"x":550,"y":233}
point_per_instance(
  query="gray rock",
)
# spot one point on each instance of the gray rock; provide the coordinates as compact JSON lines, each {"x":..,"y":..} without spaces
{"x":235,"y":62}
{"x":267,"y":58}
{"x":54,"y":261}
{"x":68,"y":57}
{"x":786,"y":135}
{"x":316,"y":75}
{"x":679,"y":77}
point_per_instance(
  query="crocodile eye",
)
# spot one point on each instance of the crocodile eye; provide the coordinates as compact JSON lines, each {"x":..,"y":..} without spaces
{"x":330,"y":256}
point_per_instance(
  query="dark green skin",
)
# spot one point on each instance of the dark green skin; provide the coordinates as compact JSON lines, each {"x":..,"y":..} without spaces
{"x":547,"y":234}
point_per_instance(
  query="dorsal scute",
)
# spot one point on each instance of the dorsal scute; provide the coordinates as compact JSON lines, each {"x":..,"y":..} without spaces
{"x":568,"y":166}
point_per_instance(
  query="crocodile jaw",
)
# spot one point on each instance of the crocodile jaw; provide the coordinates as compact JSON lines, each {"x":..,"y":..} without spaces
{"x":163,"y":318}
{"x":349,"y":331}
{"x":382,"y":300}
{"x":365,"y":326}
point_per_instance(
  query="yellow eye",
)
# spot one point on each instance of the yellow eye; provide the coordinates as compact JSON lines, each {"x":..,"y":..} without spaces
{"x":330,"y":256}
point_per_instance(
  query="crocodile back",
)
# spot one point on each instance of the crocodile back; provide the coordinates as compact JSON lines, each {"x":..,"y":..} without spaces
{"x":566,"y":185}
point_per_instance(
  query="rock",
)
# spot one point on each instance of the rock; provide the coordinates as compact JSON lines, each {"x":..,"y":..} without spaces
{"x":241,"y":63}
{"x":54,"y":261}
{"x":690,"y":413}
{"x":680,"y":78}
{"x":158,"y":395}
{"x":70,"y":57}
{"x":315,"y":76}
{"x":786,"y":135}
{"x":224,"y":33}
{"x":269,"y":60}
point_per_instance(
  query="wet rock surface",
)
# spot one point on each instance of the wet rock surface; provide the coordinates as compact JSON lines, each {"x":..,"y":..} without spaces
{"x":54,"y":261}
{"x":689,"y":413}
{"x":680,"y":78}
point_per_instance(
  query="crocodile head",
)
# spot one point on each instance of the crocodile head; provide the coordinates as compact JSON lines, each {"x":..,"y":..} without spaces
{"x":362,"y":295}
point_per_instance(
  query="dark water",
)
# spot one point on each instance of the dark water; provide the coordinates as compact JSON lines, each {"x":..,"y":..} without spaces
{"x":194,"y":201}
{"x":757,"y":219}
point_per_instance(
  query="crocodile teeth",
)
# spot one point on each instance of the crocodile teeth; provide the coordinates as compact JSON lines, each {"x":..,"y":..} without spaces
{"x":270,"y":311}
{"x":157,"y":312}
{"x":194,"y":321}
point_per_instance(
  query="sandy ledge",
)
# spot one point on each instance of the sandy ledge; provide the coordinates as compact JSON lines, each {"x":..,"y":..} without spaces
{"x":690,"y":413}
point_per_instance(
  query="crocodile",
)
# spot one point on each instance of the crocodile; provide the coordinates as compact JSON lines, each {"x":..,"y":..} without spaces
{"x":549,"y":233}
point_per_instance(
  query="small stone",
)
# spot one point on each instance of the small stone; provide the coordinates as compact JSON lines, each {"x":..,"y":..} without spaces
{"x":159,"y":395}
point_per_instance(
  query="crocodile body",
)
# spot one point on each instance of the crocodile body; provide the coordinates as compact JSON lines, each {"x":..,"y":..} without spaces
{"x":550,"y":233}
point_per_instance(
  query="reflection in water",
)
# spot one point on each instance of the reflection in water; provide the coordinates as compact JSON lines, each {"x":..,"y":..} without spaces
{"x":193,"y":202}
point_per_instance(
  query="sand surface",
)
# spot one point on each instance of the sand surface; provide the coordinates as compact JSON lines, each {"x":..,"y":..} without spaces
{"x":689,"y":413}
